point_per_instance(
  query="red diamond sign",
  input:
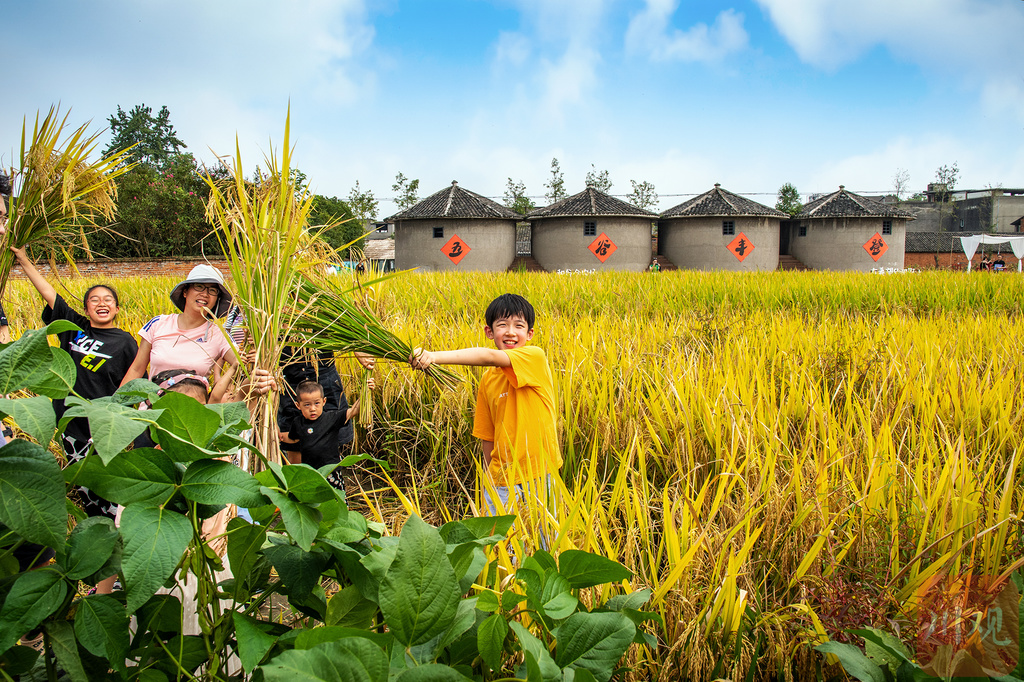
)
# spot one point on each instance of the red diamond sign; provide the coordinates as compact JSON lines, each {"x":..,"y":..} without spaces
{"x":876,"y":246}
{"x":455,"y":249}
{"x":603,"y":247}
{"x":741,"y":247}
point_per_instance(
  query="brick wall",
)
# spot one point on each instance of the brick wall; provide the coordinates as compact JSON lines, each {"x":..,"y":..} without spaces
{"x":150,"y":267}
{"x":948,"y":261}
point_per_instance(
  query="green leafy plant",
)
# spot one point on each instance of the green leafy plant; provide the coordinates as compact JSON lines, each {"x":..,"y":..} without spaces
{"x":360,"y":604}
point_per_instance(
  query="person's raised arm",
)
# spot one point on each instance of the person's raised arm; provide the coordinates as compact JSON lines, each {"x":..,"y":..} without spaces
{"x":44,"y":288}
{"x":140,"y":364}
{"x":474,"y":357}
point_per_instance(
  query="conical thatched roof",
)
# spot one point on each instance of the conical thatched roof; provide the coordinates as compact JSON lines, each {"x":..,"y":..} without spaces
{"x":590,"y":202}
{"x":721,"y":202}
{"x":845,"y":204}
{"x":455,"y":202}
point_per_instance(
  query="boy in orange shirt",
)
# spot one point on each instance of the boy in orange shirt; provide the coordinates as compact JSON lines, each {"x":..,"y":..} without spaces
{"x":515,"y":404}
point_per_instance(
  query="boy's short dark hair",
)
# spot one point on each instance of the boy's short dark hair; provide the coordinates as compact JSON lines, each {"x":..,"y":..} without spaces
{"x":309,"y":388}
{"x":509,"y":305}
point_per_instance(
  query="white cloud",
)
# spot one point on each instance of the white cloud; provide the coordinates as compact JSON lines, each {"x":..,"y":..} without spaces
{"x":648,"y":33}
{"x":969,"y":42}
{"x":512,"y":49}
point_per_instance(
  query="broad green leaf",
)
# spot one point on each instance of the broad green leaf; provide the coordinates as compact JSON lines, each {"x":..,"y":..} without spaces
{"x":465,"y":617}
{"x":33,"y":415}
{"x":101,"y":624}
{"x":349,"y":608}
{"x":487,"y":601}
{"x":113,"y":426}
{"x":378,"y":562}
{"x":135,"y":391}
{"x":353,"y":659}
{"x":231,"y":414}
{"x":594,"y":641}
{"x":299,"y":570}
{"x":32,"y":493}
{"x":145,"y":475}
{"x":853,"y":660}
{"x":31,"y":363}
{"x":212,"y":481}
{"x":244,"y":542}
{"x":189,"y":652}
{"x":490,"y":639}
{"x":468,"y":561}
{"x":300,"y":520}
{"x":154,"y":541}
{"x":306,"y":484}
{"x":432,"y":672}
{"x":633,"y":600}
{"x":485,"y":526}
{"x":510,"y":600}
{"x":254,"y":642}
{"x":55,"y":379}
{"x":556,"y":600}
{"x":161,"y":614}
{"x":583,"y":569}
{"x":578,"y":675}
{"x":18,"y":660}
{"x":62,"y":640}
{"x":884,"y":648}
{"x":419,"y":594}
{"x":89,"y":546}
{"x":314,"y":637}
{"x":187,"y":418}
{"x":33,"y":597}
{"x":532,"y":646}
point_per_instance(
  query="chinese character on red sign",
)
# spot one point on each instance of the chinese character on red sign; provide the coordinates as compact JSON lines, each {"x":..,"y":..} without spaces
{"x":603,"y":247}
{"x":741,"y":247}
{"x":455,"y":249}
{"x":876,"y":246}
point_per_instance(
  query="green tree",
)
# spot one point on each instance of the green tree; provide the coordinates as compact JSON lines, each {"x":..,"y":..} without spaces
{"x":599,"y":180}
{"x":363,"y":204}
{"x":948,"y":176}
{"x":347,"y":228}
{"x":556,"y":185}
{"x":156,"y":142}
{"x":161,"y":212}
{"x":789,"y":200}
{"x":406,"y":191}
{"x":643,"y":195}
{"x":516,"y":198}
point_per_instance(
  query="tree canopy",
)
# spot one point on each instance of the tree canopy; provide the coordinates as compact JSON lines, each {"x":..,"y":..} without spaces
{"x":599,"y":180}
{"x":643,"y":195}
{"x":516,"y":198}
{"x":156,"y":142}
{"x":406,"y":191}
{"x":556,"y":185}
{"x":789,"y":200}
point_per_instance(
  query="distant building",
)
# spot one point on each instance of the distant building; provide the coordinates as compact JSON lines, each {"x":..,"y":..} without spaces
{"x":592,"y":231}
{"x":719,"y":230}
{"x":846,"y":231}
{"x":987,"y":210}
{"x":380,"y":254}
{"x":455,"y":229}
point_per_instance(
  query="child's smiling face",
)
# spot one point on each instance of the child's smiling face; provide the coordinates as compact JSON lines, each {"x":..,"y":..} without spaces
{"x":509,"y":332}
{"x":311,"y":405}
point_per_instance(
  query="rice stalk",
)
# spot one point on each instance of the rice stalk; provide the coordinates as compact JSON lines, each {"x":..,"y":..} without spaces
{"x":57,"y":191}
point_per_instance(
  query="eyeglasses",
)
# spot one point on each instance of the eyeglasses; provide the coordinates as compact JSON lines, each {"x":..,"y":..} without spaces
{"x":102,"y":299}
{"x":211,"y":289}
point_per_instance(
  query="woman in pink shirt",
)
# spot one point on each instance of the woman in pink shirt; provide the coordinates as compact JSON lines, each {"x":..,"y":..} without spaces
{"x":188,"y":339}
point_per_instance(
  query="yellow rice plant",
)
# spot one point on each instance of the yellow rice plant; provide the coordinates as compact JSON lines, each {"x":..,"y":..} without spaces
{"x":58,"y":192}
{"x":778,"y":457}
{"x":262,"y":226}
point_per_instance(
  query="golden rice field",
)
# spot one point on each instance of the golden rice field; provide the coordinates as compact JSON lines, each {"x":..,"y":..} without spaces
{"x":780,"y":457}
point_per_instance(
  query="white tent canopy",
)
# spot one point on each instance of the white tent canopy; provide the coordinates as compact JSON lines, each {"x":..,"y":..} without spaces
{"x":971,"y":244}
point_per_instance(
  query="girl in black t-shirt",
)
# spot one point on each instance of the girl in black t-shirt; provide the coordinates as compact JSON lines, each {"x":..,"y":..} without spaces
{"x":102,"y":354}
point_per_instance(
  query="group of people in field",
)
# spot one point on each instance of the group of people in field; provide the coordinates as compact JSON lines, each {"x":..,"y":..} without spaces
{"x":186,"y":352}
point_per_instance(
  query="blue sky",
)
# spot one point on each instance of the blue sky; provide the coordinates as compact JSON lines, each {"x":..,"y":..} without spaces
{"x":751,"y":93}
